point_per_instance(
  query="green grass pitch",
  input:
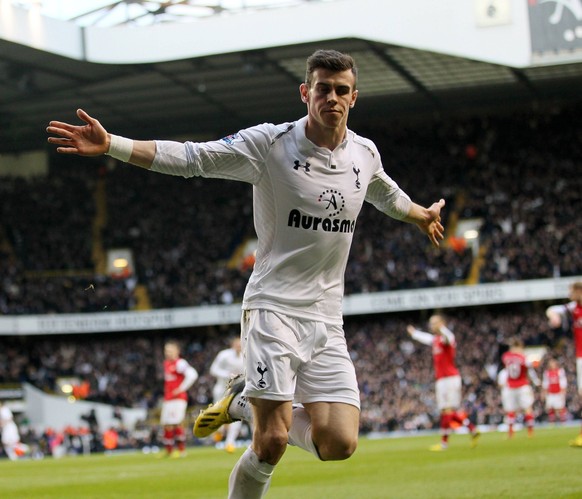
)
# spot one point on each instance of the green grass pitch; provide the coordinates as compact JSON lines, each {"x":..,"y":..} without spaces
{"x":544,"y":466}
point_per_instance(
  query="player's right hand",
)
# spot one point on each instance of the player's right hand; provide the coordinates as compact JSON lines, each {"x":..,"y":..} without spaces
{"x":90,"y":139}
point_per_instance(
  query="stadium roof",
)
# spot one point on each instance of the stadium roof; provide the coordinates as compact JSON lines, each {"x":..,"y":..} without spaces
{"x":146,"y":12}
{"x":219,"y":93}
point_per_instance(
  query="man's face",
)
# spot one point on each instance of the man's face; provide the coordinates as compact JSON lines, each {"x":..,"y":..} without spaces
{"x":576,"y":294}
{"x":329,"y":97}
{"x":171,"y":351}
{"x":434,"y":324}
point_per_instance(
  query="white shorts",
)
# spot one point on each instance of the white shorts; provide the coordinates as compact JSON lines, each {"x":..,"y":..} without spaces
{"x":517,"y":399}
{"x":173,"y":412}
{"x":448,"y":392}
{"x":291,"y":359}
{"x":579,"y":374}
{"x":555,"y":401}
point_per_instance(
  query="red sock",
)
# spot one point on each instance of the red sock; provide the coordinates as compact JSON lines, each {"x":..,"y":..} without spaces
{"x":168,"y":439}
{"x":462,"y":420}
{"x":456,"y":417}
{"x":180,"y":437}
{"x":529,"y":422}
{"x":510,"y":420}
{"x":445,"y":426}
{"x":551,"y":415}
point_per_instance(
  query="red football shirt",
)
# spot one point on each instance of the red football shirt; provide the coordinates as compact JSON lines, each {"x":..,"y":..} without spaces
{"x":516,"y":367}
{"x":553,"y":380}
{"x":173,"y":377}
{"x":576,"y":311}
{"x":443,"y":354}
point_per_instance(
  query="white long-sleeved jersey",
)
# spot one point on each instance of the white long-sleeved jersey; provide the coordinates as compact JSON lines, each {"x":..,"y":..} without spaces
{"x":306,"y":201}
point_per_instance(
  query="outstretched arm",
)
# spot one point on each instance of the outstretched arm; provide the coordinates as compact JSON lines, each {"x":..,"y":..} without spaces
{"x":92,"y":139}
{"x":421,"y":336}
{"x":428,"y":220}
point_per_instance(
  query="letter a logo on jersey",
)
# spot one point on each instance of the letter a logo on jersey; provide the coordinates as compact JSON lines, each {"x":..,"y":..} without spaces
{"x":334,"y":202}
{"x":331,"y":201}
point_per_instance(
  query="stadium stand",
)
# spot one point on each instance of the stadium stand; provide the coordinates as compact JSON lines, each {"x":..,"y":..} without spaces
{"x":521,"y":183}
{"x":396,"y":379}
{"x":515,"y":170}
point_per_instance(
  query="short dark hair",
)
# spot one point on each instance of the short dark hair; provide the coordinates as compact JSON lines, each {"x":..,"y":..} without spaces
{"x":331,"y":60}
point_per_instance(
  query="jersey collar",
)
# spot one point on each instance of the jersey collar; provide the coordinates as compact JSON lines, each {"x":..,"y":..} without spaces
{"x":305,"y":145}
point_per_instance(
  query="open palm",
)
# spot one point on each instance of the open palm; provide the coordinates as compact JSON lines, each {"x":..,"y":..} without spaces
{"x":90,"y":139}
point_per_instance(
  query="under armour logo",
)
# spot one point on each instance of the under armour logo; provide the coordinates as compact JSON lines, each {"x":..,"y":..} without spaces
{"x":262,"y":372}
{"x":357,"y":172}
{"x":299,"y":165}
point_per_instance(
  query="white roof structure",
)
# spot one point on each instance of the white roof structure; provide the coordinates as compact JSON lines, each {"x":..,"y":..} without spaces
{"x":242,"y":63}
{"x":107,"y":13}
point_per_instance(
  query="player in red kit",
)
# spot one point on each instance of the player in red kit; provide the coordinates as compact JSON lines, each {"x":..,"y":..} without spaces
{"x":517,"y":394}
{"x":178,"y":377}
{"x":448,"y":380}
{"x":554,"y":384}
{"x":571,"y":313}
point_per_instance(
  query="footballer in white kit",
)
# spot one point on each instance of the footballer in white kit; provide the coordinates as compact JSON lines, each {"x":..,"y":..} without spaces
{"x":227,"y":364}
{"x":306,"y":202}
{"x":310,"y":178}
{"x":11,"y":443}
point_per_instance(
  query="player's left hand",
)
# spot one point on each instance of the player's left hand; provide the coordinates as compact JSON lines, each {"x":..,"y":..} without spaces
{"x":433,"y":227}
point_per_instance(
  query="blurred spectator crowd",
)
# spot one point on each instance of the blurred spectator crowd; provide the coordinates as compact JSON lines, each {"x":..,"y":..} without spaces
{"x":395,"y":375}
{"x":518,"y":175}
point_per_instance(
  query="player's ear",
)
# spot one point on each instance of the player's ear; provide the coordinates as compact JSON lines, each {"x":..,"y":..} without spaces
{"x":304,"y":91}
{"x":354,"y":97}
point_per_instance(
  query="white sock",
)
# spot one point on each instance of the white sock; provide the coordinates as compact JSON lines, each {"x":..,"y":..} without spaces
{"x":250,"y":478}
{"x":300,"y":431}
{"x":232,"y":432}
{"x":240,"y":408}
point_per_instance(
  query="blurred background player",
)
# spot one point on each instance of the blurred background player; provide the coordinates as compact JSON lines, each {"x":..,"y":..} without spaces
{"x":570,"y":314}
{"x":227,"y":364}
{"x":179,"y":376}
{"x":516,"y":391}
{"x":554,"y":384}
{"x":11,"y":443}
{"x":448,"y":380}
